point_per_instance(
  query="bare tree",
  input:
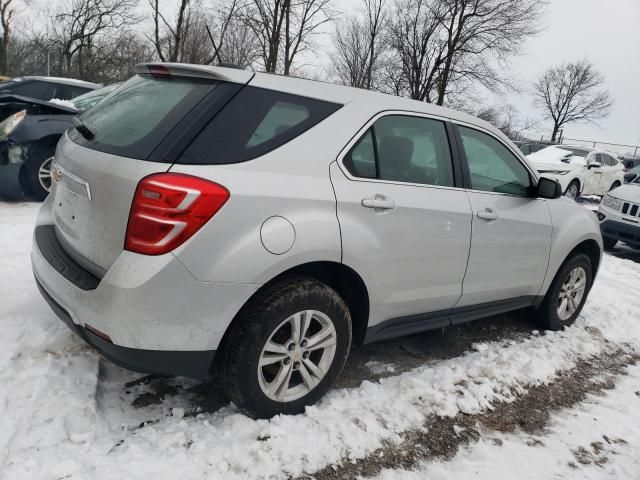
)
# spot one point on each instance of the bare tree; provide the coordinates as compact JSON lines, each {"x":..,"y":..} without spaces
{"x":418,"y":48}
{"x":168,"y":36}
{"x":6,"y":17}
{"x":78,"y":25}
{"x":506,"y":118}
{"x":441,"y":42}
{"x":572,"y":92}
{"x":360,"y":43}
{"x":285,"y":28}
{"x":236,"y":41}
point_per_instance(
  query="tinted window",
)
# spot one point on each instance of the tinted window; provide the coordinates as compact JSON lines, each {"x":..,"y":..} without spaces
{"x":492,"y":166}
{"x":255,"y":122}
{"x":361,"y":160}
{"x":141,"y":113}
{"x":609,"y":161}
{"x":67,"y":92}
{"x":34,"y":89}
{"x":407,"y":149}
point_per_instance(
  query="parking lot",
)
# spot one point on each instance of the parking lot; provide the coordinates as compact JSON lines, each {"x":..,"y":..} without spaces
{"x":495,"y":397}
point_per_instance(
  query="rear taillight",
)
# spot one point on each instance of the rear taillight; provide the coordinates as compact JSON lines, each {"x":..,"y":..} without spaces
{"x":168,"y":208}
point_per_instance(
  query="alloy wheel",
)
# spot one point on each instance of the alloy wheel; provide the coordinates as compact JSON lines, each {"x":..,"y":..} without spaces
{"x":571,"y":293}
{"x":572,"y":191}
{"x":297,"y":356}
{"x":44,"y":174}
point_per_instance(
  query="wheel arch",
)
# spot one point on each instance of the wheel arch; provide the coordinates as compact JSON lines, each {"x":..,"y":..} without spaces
{"x":343,"y":279}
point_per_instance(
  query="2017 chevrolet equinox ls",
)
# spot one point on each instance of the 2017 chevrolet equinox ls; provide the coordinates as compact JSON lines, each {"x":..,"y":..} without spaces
{"x":215,"y":221}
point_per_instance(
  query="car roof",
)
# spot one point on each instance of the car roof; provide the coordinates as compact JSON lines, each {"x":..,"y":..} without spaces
{"x":366,"y":99}
{"x":64,"y":81}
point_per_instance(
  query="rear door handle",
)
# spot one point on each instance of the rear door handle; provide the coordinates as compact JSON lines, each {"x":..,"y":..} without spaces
{"x":488,"y":214}
{"x":379,"y":202}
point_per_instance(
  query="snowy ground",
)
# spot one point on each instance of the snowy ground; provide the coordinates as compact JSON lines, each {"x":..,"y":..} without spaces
{"x":65,"y":413}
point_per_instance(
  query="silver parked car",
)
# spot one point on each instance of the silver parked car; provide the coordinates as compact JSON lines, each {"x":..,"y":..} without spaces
{"x":214,"y":221}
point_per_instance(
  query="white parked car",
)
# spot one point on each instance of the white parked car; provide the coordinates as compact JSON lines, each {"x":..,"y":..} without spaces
{"x":580,"y":170}
{"x":619,"y":216}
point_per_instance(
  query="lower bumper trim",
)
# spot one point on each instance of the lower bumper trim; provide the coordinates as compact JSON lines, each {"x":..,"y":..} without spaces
{"x":624,"y":232}
{"x":193,"y":364}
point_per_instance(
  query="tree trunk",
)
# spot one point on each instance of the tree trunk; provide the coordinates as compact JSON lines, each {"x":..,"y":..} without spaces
{"x":556,"y":128}
{"x":3,"y":57}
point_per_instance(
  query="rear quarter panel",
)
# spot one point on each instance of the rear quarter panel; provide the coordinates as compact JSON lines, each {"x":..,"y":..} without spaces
{"x":291,"y":181}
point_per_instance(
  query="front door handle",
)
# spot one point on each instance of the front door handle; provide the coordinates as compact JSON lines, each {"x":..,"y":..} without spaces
{"x":379,"y":202}
{"x":488,"y":214}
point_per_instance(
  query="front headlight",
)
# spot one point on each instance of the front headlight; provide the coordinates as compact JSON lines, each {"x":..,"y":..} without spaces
{"x":612,"y":202}
{"x":9,"y":124}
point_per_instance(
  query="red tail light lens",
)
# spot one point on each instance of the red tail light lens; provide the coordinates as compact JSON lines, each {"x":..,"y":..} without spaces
{"x":168,"y":208}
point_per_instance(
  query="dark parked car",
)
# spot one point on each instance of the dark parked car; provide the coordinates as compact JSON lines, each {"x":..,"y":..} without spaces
{"x":46,"y":88}
{"x":632,"y":175}
{"x":28,"y":139}
{"x":629,"y":162}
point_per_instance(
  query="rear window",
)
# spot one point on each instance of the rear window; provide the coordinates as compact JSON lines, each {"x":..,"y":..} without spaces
{"x":255,"y":122}
{"x":141,"y":113}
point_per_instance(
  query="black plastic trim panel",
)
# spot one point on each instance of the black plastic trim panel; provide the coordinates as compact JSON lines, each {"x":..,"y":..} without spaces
{"x":624,"y":232}
{"x":397,"y":327}
{"x":51,"y":249}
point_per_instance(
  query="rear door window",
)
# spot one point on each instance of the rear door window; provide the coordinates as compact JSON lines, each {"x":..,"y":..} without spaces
{"x":403,"y":148}
{"x":255,"y":122}
{"x":141,"y":113}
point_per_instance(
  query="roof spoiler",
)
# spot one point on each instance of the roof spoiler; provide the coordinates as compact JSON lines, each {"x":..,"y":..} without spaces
{"x":225,"y":73}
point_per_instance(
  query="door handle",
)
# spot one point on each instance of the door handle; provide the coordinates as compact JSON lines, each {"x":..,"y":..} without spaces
{"x":488,"y":214}
{"x":379,"y":202}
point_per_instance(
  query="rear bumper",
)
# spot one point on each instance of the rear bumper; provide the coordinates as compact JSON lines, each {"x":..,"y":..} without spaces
{"x":193,"y":364}
{"x":143,"y":303}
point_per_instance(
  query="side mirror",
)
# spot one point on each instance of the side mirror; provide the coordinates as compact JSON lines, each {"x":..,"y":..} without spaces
{"x":548,"y":188}
{"x":594,"y":164}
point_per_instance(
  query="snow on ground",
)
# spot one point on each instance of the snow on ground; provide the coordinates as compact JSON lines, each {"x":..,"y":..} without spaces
{"x":596,"y":440}
{"x":64,"y":413}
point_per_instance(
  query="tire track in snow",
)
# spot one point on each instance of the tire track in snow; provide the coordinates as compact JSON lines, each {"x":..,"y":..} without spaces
{"x":442,"y":437}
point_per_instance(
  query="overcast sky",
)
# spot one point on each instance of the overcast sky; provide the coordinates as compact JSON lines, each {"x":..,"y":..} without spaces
{"x":607,"y":32}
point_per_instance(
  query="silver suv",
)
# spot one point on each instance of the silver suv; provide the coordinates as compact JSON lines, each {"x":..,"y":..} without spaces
{"x":209,"y":221}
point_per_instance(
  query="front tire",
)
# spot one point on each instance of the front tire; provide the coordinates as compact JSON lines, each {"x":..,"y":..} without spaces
{"x":286,"y":348}
{"x":573,"y":190}
{"x":36,"y":176}
{"x":567,"y":294}
{"x":609,"y":243}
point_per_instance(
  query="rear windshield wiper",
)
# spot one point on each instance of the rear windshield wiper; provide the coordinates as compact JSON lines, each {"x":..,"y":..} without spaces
{"x":82,"y":128}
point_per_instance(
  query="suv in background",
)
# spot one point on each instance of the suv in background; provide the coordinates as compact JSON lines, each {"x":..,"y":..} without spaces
{"x":580,"y":170}
{"x":619,"y":216}
{"x":215,"y":221}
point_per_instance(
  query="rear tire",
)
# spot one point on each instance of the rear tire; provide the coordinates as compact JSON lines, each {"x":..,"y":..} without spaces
{"x":268,"y":365}
{"x":615,"y":184}
{"x":609,"y":243}
{"x":573,"y":190}
{"x":576,"y":271}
